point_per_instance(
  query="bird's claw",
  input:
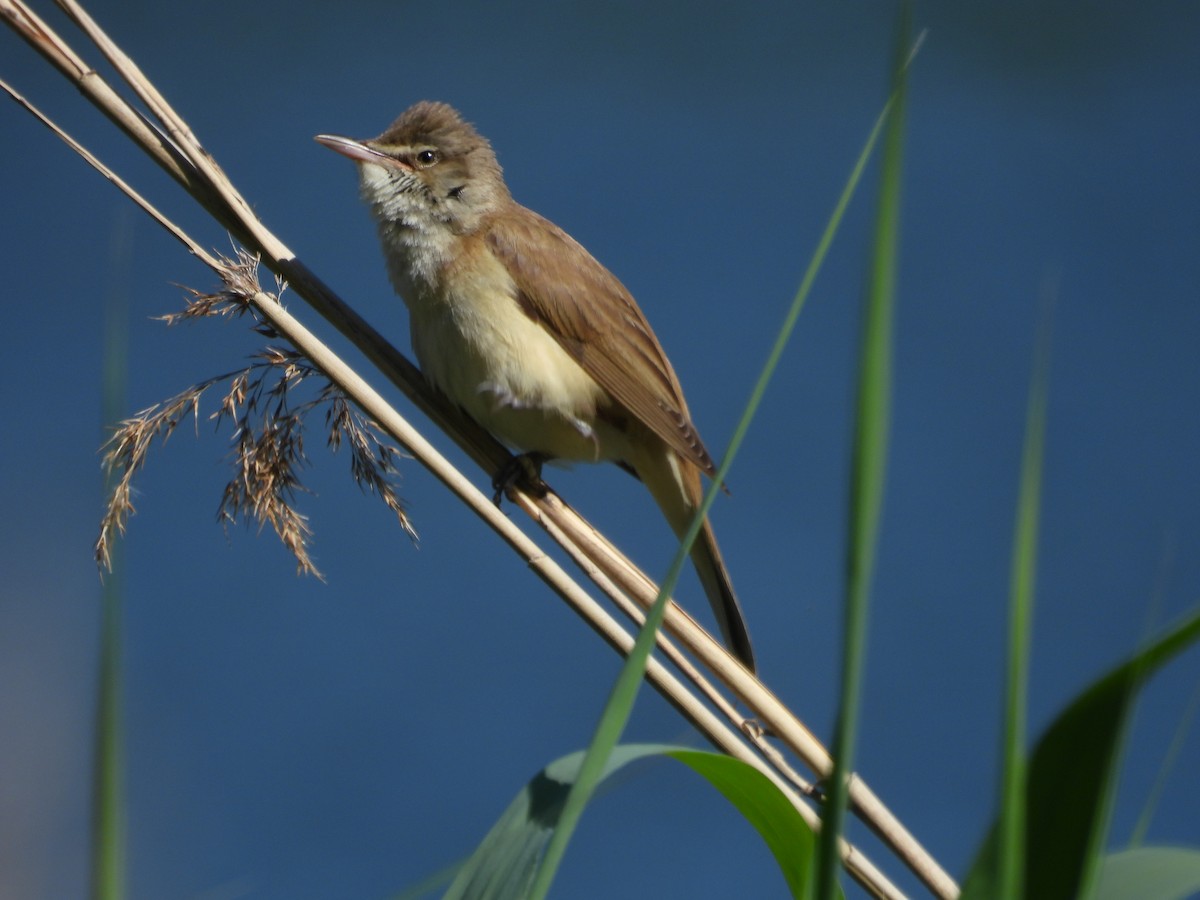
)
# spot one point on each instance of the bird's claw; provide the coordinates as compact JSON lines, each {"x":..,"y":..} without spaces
{"x":525,"y":470}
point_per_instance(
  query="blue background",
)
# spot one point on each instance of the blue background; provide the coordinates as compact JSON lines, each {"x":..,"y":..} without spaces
{"x":288,"y":738}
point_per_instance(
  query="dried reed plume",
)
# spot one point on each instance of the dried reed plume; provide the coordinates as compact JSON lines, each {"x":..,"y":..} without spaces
{"x":268,"y":430}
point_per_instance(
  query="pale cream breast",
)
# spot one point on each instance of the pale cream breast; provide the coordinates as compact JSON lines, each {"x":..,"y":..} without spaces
{"x":473,"y":340}
{"x":476,"y":344}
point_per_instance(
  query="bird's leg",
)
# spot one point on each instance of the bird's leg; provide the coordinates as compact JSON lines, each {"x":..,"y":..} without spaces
{"x":525,"y":470}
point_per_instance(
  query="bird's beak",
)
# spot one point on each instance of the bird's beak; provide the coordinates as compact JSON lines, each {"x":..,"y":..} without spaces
{"x":358,"y":151}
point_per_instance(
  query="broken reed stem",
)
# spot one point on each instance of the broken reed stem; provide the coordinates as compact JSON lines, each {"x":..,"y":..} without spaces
{"x":173,"y":146}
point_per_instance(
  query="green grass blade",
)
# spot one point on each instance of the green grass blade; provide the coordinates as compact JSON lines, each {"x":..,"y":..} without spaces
{"x":108,"y":784}
{"x":1186,"y":721}
{"x":1072,"y":776}
{"x":108,"y":789}
{"x":1011,"y":849}
{"x":868,"y":469}
{"x":1137,"y":835}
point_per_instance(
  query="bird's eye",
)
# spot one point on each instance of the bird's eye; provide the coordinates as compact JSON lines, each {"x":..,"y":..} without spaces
{"x":428,"y":157}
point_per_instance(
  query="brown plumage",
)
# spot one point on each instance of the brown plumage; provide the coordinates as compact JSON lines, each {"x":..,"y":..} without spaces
{"x":517,"y":323}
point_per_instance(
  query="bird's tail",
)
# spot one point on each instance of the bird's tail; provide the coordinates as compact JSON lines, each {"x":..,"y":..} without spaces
{"x":676,"y":486}
{"x":706,"y":557}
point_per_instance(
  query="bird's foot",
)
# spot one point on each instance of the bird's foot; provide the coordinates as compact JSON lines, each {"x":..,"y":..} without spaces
{"x":524,"y":471}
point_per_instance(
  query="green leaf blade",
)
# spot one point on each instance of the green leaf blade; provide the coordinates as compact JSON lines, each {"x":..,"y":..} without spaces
{"x":1149,"y":873}
{"x":868,"y":466}
{"x":1072,"y":772}
{"x":791,"y":841}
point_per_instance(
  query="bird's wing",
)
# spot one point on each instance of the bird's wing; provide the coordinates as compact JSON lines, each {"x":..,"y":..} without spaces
{"x":594,"y":318}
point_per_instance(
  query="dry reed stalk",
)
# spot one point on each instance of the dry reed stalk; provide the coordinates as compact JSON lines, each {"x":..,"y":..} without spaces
{"x":173,"y":146}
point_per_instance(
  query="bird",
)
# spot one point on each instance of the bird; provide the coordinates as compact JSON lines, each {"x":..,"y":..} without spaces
{"x":520,"y":326}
